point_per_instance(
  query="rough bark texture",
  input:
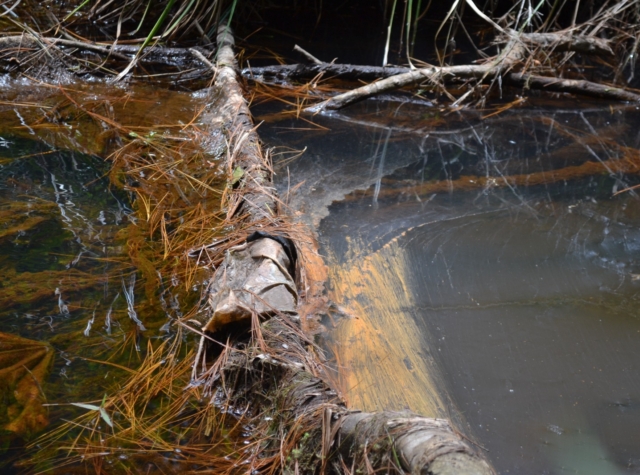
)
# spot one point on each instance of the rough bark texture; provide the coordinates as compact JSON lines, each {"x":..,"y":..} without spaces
{"x":252,"y":191}
{"x":512,"y":53}
{"x":564,"y":41}
{"x":431,"y":75}
{"x":328,"y":70}
{"x":159,"y":54}
{"x":585,"y":88}
{"x":512,"y":57}
{"x":401,"y":77}
{"x":555,"y":42}
{"x":276,"y":373}
{"x":415,"y":443}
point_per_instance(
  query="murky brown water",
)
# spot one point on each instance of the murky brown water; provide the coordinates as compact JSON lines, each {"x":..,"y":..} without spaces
{"x":75,"y":252}
{"x":489,"y":262}
{"x":487,"y":269}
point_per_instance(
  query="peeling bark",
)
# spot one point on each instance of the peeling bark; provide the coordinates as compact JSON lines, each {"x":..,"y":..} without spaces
{"x":303,"y":422}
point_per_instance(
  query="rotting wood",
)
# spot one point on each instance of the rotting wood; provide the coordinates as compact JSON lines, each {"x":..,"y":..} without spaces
{"x":512,"y":53}
{"x":513,"y":56}
{"x":151,"y":54}
{"x":251,"y":189}
{"x":553,"y":42}
{"x":277,"y":374}
{"x":351,"y":72}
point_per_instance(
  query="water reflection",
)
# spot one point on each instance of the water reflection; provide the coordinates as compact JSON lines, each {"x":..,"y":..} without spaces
{"x":518,"y":262}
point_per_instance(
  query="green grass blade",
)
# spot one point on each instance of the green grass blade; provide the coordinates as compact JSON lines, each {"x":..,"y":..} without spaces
{"x":144,"y":15}
{"x":105,"y":417}
{"x":172,"y":27}
{"x":75,"y":10}
{"x":158,"y":25}
{"x":386,"y":46}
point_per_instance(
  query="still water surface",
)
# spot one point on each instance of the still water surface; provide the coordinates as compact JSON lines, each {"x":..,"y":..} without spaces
{"x":504,"y":243}
{"x":73,"y":249}
{"x":487,"y":269}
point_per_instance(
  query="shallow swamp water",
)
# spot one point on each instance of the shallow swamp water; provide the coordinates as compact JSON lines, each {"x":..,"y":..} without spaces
{"x":484,"y":269}
{"x":85,"y":293}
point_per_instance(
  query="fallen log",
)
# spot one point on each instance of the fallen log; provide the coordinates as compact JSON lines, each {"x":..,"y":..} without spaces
{"x":484,"y":74}
{"x":430,"y":75}
{"x":402,"y":77}
{"x":271,"y":368}
{"x":563,"y":41}
{"x":351,"y":72}
{"x":513,"y":56}
{"x":555,"y":42}
{"x":27,"y":43}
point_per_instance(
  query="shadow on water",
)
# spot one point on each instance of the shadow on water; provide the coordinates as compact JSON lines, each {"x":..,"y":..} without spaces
{"x":500,"y":260}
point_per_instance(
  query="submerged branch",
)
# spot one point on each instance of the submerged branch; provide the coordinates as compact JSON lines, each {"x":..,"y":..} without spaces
{"x":572,"y":86}
{"x":512,"y":53}
{"x":152,"y":54}
{"x":350,"y":72}
{"x":515,"y":55}
{"x":562,"y":41}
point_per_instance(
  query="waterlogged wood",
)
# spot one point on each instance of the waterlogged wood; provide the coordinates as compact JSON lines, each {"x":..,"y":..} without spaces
{"x":628,"y":163}
{"x":302,"y":419}
{"x":159,"y":54}
{"x":557,"y":42}
{"x":424,"y":446}
{"x":561,"y":41}
{"x":431,"y":75}
{"x":512,"y":55}
{"x":252,"y":194}
{"x":571,"y":86}
{"x":327,"y":70}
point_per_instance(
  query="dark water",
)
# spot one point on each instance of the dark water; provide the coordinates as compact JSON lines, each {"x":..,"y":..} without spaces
{"x":524,"y":272}
{"x":524,"y":263}
{"x":72,"y":250}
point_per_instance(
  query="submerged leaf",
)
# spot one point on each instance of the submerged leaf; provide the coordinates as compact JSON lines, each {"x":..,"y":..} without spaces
{"x":91,"y":407}
{"x":238,"y":173}
{"x":105,"y":416}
